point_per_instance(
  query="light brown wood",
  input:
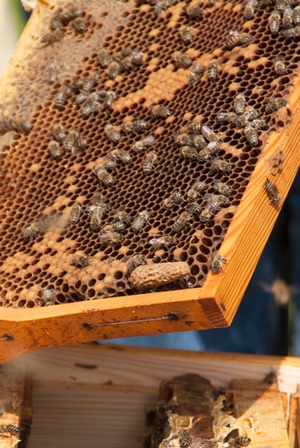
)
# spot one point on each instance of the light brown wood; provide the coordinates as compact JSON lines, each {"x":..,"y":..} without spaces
{"x":212,"y":306}
{"x":260,"y":401}
{"x":76,"y":406}
{"x":292,"y":426}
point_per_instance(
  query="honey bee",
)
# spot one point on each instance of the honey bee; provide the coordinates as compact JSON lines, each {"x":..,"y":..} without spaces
{"x":184,"y":140}
{"x":110,"y":97}
{"x":108,"y":164}
{"x":251,"y":135}
{"x":33,"y":231}
{"x":111,"y":238}
{"x":279,"y":67}
{"x":114,"y":69}
{"x":96,"y":214}
{"x":274,"y":104}
{"x":226,"y":117}
{"x":160,"y":111}
{"x":250,"y":9}
{"x":192,"y":127}
{"x":117,"y":226}
{"x":259,"y":124}
{"x":197,"y":188}
{"x":194,"y":208}
{"x":222,"y":188}
{"x":203,"y":155}
{"x":272,"y":192}
{"x":80,"y":145}
{"x":70,"y":14}
{"x":190,"y":153}
{"x":274,"y":22}
{"x":239,"y":104}
{"x":52,"y":73}
{"x":23,"y":127}
{"x":124,"y":53}
{"x":208,"y":213}
{"x":48,"y":297}
{"x":184,"y":219}
{"x":296,"y":16}
{"x":149,"y":162}
{"x":121,"y":155}
{"x":280,"y":5}
{"x":12,"y":429}
{"x":181,"y":60}
{"x":199,"y":141}
{"x":104,"y":58}
{"x":160,"y":6}
{"x":163,"y":242}
{"x":112,"y":133}
{"x":217,"y":263}
{"x":51,"y":38}
{"x":194,"y":12}
{"x":195,"y":73}
{"x":103,"y":176}
{"x":173,"y":199}
{"x":238,"y":39}
{"x":135,"y":261}
{"x":90,"y":107}
{"x":122,"y":216}
{"x":239,"y":441}
{"x":291,"y":32}
{"x":79,"y":25}
{"x":213,"y":147}
{"x":140,"y":221}
{"x":89,"y":83}
{"x":6,"y":125}
{"x":143,"y":144}
{"x":215,"y":201}
{"x":60,"y":100}
{"x":276,"y":162}
{"x":186,"y":440}
{"x":80,"y":261}
{"x":287,"y":17}
{"x":135,"y":59}
{"x":220,"y":166}
{"x":250,"y":114}
{"x":212,"y":70}
{"x":209,"y":134}
{"x":97,"y":199}
{"x":55,"y":22}
{"x":135,"y":126}
{"x":58,"y":132}
{"x":80,"y":98}
{"x":55,"y":149}
{"x":186,"y":35}
{"x":75,"y":213}
{"x":70,"y":140}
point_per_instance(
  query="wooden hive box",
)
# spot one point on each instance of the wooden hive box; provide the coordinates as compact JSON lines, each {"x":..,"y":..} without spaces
{"x":98,"y":396}
{"x":49,"y":73}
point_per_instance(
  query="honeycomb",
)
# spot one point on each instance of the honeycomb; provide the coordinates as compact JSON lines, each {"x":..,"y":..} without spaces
{"x":38,"y":187}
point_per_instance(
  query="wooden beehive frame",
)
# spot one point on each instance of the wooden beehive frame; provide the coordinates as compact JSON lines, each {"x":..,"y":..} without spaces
{"x":212,"y":306}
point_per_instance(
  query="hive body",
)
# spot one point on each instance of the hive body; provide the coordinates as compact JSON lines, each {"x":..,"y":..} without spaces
{"x":176,"y":115}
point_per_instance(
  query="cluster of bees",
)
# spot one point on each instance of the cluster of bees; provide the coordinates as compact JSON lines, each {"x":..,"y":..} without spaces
{"x":125,"y":61}
{"x":60,"y":20}
{"x":285,"y":17}
{"x":182,"y":438}
{"x":86,"y":97}
{"x":64,"y":141}
{"x":22,"y":126}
